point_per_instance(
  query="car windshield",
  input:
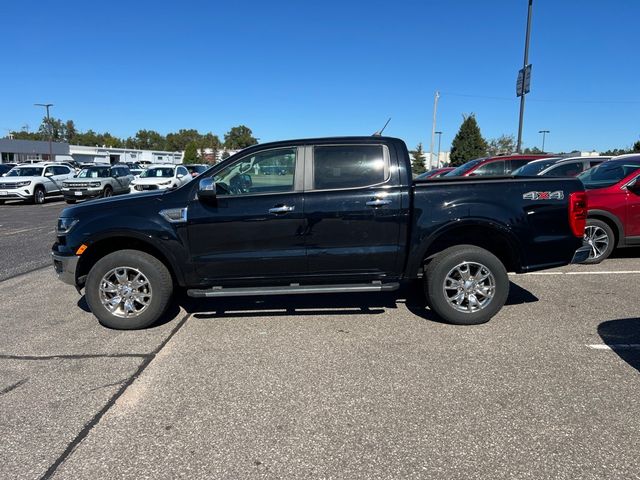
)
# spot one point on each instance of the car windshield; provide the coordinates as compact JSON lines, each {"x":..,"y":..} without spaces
{"x":25,"y":172}
{"x":196,"y":168}
{"x":532,"y":169}
{"x":608,"y":173}
{"x":157,"y":173}
{"x":95,"y":172}
{"x":464,"y":168}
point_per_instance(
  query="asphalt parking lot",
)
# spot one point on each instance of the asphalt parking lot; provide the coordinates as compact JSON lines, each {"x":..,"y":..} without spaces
{"x":353,"y":386}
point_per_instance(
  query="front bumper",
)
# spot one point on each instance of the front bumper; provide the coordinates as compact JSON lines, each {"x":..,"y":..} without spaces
{"x":15,"y":194}
{"x":70,"y":194}
{"x":581,"y":254}
{"x":65,"y":267}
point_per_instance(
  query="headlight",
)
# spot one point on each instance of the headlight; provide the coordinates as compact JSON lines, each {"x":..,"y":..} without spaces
{"x":23,"y":184}
{"x":94,"y":184}
{"x":165,"y":183}
{"x":65,"y":224}
{"x":66,"y":184}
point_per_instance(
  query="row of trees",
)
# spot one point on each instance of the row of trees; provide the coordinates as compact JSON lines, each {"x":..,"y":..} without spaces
{"x":469,"y":144}
{"x":189,"y":140}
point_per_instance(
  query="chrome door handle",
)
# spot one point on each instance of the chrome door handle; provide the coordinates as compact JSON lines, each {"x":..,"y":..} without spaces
{"x":281,"y":209}
{"x":378,"y":202}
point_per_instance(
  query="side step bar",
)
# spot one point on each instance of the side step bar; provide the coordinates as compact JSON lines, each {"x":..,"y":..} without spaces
{"x":293,"y":289}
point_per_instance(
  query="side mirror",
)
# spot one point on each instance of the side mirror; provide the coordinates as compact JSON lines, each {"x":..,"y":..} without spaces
{"x":633,"y":186}
{"x":48,"y":174}
{"x":207,"y":189}
{"x":180,"y":175}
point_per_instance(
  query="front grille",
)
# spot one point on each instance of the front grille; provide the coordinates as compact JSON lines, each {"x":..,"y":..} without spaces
{"x":77,"y":185}
{"x":140,"y":188}
{"x":7,"y":186}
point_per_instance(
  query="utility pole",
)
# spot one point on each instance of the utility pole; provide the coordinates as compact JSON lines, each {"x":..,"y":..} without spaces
{"x":438,"y":156}
{"x":544,"y":134}
{"x":47,"y":105}
{"x":525,"y":67}
{"x":433,"y":126}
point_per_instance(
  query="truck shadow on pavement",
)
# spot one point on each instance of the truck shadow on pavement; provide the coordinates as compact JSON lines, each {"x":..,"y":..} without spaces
{"x":623,"y":337}
{"x":330,"y":304}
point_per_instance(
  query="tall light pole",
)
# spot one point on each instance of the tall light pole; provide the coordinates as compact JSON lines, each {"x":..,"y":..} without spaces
{"x":438,"y":157}
{"x":525,"y":67}
{"x":47,"y":105}
{"x":544,"y":134}
{"x":433,"y":127}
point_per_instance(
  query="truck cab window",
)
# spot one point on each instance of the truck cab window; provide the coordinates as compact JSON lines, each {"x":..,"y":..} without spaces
{"x":349,"y":166}
{"x":272,"y":171}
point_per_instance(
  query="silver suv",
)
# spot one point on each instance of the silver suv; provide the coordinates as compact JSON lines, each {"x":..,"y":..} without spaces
{"x":97,"y":181}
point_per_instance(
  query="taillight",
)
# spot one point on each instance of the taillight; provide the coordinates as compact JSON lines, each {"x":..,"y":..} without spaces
{"x":578,"y":212}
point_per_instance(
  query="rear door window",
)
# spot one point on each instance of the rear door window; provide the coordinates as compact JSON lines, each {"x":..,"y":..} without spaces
{"x":349,"y":166}
{"x":490,"y":169}
{"x":570,"y":169}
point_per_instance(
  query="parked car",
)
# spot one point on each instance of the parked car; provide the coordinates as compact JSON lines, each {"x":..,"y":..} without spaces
{"x":613,"y":193}
{"x":195,"y":169}
{"x":161,"y":177}
{"x":354,"y":222}
{"x":34,"y":182}
{"x":434,"y":173}
{"x":558,"y":167}
{"x":5,"y":167}
{"x":493,"y":166}
{"x":97,"y":181}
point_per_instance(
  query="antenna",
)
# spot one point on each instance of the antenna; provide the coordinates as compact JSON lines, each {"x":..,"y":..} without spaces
{"x":379,"y":132}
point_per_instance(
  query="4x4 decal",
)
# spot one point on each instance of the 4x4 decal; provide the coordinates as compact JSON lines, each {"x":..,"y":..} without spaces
{"x":557,"y":195}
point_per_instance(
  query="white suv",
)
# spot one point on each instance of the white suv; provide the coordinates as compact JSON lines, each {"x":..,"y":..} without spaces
{"x":34,"y":182}
{"x":161,"y":177}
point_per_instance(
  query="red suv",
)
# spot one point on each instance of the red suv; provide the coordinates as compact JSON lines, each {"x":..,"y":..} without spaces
{"x":613,"y":193}
{"x":492,"y":166}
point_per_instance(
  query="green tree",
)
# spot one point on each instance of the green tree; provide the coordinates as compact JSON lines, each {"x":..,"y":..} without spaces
{"x":636,"y":147}
{"x":532,"y":151}
{"x":149,"y":140}
{"x":239,"y":137}
{"x":191,"y":153}
{"x":502,"y":144}
{"x":468,"y":142}
{"x":179,"y":140}
{"x":417,"y":160}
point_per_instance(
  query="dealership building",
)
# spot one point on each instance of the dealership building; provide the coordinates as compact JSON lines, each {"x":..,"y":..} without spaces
{"x":19,"y":151}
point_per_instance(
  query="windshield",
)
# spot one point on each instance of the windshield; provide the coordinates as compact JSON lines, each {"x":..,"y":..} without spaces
{"x":95,"y":172}
{"x":464,"y":168}
{"x":157,"y":173}
{"x":25,"y":172}
{"x":532,"y":169}
{"x":608,"y":173}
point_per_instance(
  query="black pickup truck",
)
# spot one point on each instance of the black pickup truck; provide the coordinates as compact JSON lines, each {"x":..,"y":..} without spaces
{"x":319,"y":216}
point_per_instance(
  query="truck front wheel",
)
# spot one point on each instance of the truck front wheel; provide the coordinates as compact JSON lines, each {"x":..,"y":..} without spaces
{"x":466,"y":285}
{"x":128,"y":289}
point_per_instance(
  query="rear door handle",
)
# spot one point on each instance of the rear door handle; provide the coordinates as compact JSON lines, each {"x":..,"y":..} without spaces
{"x":281,"y":209}
{"x":378,"y":202}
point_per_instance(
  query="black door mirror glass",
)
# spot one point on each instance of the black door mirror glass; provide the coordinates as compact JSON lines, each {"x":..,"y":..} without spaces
{"x":207,"y":189}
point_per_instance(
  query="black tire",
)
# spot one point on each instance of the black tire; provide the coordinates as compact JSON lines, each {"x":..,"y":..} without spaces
{"x":157,"y":275}
{"x":2,"y":202}
{"x":69,"y":201}
{"x":477,"y":261}
{"x":107,"y":192}
{"x":39,"y":195}
{"x":601,"y":247}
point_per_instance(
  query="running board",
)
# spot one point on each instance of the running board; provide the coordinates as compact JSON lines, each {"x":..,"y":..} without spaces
{"x":294,"y":289}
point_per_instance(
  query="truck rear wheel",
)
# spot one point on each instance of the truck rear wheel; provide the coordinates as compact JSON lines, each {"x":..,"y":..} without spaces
{"x":128,"y":289}
{"x":466,"y":285}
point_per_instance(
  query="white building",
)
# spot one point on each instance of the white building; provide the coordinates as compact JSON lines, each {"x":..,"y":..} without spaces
{"x":85,"y":154}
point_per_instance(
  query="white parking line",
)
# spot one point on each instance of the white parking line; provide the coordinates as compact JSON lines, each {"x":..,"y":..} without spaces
{"x":615,"y":346}
{"x":589,"y":272}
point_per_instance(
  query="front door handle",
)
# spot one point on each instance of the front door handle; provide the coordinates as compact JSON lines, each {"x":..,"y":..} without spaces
{"x":378,"y":202}
{"x":281,"y":209}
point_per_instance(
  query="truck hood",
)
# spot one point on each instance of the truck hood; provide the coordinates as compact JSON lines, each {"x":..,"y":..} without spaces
{"x":120,"y":202}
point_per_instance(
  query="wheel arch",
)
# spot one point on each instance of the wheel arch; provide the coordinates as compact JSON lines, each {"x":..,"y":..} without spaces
{"x":486,"y":235}
{"x":107,"y":245}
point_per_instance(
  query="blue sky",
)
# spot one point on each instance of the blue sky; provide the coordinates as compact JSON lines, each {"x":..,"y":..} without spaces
{"x":294,"y":69}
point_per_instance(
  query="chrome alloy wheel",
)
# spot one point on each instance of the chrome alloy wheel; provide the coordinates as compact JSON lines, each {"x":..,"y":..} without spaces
{"x":125,"y":292}
{"x":469,"y":287}
{"x":597,"y":239}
